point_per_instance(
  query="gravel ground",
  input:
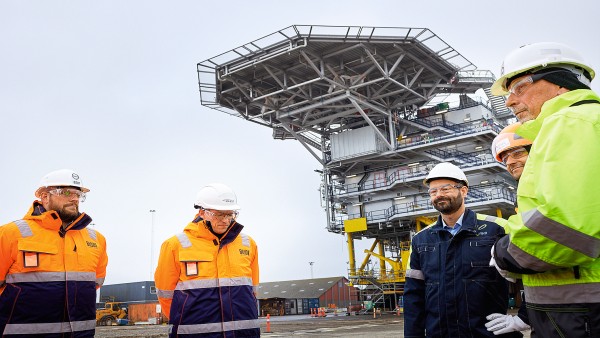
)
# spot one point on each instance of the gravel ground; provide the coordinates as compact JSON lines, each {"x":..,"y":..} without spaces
{"x":153,"y":331}
{"x":129,"y":331}
{"x":286,"y":326}
{"x":384,"y":326}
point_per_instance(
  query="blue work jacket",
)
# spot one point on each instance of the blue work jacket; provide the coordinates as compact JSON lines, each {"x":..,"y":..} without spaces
{"x":450,"y":287}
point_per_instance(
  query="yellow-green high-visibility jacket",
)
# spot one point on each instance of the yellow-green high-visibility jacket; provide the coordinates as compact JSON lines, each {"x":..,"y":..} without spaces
{"x":555,"y":236}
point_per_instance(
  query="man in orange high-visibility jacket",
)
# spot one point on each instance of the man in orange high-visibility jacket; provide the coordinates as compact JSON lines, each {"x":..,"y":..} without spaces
{"x":207,"y":276}
{"x":51,"y":264}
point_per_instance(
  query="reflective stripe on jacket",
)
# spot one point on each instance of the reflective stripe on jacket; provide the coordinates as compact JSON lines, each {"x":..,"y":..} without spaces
{"x":450,"y":287}
{"x":556,"y":230}
{"x":206,"y":286}
{"x":49,"y":281}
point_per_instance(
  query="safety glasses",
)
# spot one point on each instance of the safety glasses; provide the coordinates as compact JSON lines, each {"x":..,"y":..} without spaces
{"x":68,"y":193}
{"x":444,"y":189}
{"x":222,"y":215}
{"x":514,"y":154}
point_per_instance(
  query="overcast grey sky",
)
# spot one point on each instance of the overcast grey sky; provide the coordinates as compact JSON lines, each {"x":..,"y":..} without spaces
{"x":109,"y":88}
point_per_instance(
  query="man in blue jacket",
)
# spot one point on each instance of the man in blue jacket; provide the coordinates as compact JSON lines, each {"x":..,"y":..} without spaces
{"x":450,"y":287}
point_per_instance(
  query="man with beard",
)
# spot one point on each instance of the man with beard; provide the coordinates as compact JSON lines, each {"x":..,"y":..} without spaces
{"x":51,"y":264}
{"x":450,"y":287}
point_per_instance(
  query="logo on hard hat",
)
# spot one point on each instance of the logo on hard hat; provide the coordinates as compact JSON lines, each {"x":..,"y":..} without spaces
{"x":502,"y":144}
{"x":502,"y":69}
{"x":75,"y":176}
{"x":227,"y":200}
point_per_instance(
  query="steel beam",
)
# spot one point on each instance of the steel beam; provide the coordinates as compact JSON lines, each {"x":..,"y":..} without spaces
{"x":364,"y":115}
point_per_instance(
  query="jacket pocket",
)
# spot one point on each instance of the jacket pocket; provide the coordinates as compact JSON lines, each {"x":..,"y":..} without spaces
{"x":197,"y":263}
{"x":564,"y":319}
{"x":429,"y":259}
{"x":37,"y":255}
{"x":434,"y":305}
{"x":476,"y":259}
{"x":83,"y":251}
{"x":425,"y":248}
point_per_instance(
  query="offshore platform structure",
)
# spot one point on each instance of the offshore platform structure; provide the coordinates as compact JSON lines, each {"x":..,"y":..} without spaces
{"x":374,"y":107}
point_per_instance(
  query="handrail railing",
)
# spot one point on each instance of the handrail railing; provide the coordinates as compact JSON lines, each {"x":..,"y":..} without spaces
{"x":409,"y":173}
{"x":459,"y":130}
{"x":422,"y":203}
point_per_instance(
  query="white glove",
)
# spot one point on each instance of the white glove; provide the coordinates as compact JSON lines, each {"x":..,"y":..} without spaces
{"x":501,"y":324}
{"x":509,"y":276}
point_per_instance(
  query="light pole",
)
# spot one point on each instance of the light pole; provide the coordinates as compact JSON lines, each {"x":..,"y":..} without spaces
{"x":311,"y":269}
{"x":152,"y":212}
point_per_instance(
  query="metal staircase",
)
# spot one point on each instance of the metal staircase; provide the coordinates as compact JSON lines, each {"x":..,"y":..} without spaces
{"x":498,"y":104}
{"x":279,"y":133}
{"x":373,"y":292}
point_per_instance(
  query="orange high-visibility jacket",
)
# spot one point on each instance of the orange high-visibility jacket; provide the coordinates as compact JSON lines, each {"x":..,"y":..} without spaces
{"x":206,"y":285}
{"x":48,"y":276}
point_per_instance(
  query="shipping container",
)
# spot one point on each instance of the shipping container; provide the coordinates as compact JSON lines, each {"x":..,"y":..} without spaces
{"x":353,"y":143}
{"x":146,"y":312}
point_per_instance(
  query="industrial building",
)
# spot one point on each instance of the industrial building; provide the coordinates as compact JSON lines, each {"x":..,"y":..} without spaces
{"x":139,"y":298}
{"x":274,"y":298}
{"x":144,"y":291}
{"x":377,"y":108}
{"x":300,"y":296}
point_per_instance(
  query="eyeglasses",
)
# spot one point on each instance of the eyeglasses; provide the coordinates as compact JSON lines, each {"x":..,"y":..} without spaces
{"x":68,"y":193}
{"x":515,"y":154}
{"x":222,"y":215}
{"x":521,"y":86}
{"x":444,"y":189}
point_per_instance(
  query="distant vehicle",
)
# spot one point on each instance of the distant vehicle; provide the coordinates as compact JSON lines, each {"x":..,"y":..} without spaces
{"x":110,"y":313}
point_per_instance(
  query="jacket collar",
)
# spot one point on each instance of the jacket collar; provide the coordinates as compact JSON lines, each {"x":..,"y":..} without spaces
{"x":51,"y":220}
{"x":530,"y":129}
{"x":198,"y":228}
{"x":469,"y":222}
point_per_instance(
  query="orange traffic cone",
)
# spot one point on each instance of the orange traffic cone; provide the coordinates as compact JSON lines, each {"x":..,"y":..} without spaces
{"x":268,"y":324}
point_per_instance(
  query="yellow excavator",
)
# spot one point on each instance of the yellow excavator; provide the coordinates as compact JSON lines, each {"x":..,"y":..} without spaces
{"x":110,"y":313}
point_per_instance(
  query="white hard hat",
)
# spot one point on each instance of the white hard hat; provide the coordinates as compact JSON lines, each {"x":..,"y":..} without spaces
{"x":60,"y":178}
{"x":217,"y":196}
{"x":446,"y":170}
{"x":541,"y":55}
